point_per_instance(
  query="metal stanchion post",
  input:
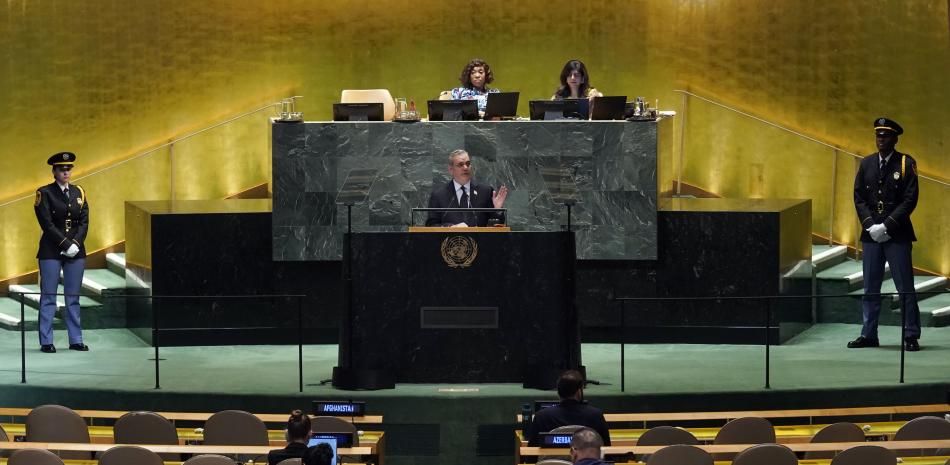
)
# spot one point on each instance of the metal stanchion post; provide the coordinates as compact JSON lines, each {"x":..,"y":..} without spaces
{"x":623,"y":306}
{"x":22,"y":340}
{"x":768,"y":340}
{"x":155,"y":342}
{"x":300,"y":342}
{"x":903,"y":331}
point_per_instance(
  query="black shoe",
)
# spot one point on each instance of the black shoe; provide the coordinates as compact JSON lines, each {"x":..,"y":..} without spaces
{"x":80,"y":347}
{"x":48,"y":348}
{"x":911,"y":345}
{"x":862,"y":342}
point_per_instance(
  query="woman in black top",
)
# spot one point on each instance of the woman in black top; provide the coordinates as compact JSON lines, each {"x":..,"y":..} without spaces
{"x":298,"y":433}
{"x":575,"y":82}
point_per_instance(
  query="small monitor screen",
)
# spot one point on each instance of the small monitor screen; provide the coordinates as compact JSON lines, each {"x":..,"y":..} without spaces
{"x":357,"y":112}
{"x":556,"y":109}
{"x":543,"y":404}
{"x":453,"y":110}
{"x":342,"y":438}
{"x":608,"y":107}
{"x":319,"y":438}
{"x":556,"y":439}
{"x":501,"y":105}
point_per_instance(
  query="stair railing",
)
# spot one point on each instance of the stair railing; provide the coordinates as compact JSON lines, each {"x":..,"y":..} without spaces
{"x":835,"y":151}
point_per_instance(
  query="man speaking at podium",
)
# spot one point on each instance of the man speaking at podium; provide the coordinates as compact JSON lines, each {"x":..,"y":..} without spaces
{"x":463,"y":192}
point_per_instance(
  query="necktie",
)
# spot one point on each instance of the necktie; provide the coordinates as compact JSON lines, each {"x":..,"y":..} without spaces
{"x":464,"y":203}
{"x":66,"y":192}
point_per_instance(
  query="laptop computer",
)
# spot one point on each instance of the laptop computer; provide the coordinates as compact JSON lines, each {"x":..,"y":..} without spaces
{"x":501,"y":105}
{"x":608,"y":107}
{"x":328,"y":439}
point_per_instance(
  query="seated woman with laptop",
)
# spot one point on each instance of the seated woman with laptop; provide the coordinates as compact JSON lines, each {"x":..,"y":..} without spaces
{"x":298,"y":432}
{"x":575,"y":82}
{"x":475,"y":79}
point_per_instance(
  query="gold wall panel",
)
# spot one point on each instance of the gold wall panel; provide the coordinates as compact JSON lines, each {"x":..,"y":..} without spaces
{"x":110,"y":79}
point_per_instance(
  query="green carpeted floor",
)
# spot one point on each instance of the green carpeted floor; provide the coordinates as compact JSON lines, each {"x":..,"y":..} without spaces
{"x":439,"y":424}
{"x":816,"y":359}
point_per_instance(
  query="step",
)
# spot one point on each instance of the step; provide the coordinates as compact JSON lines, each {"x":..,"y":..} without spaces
{"x":824,"y":256}
{"x":934,"y":284}
{"x":98,"y":312}
{"x":10,"y":316}
{"x":115,"y":262}
{"x":33,"y":298}
{"x":100,"y":281}
{"x":936,"y":309}
{"x":850,"y":271}
{"x":921,"y":284}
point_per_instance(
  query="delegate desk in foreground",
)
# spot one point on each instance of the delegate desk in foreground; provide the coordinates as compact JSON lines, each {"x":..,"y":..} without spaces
{"x":456,"y":305}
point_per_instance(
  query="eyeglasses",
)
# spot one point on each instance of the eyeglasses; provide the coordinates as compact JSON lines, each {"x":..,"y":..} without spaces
{"x":463,"y":164}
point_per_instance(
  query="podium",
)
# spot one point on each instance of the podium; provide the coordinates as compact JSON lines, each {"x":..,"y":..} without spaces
{"x":458,"y":305}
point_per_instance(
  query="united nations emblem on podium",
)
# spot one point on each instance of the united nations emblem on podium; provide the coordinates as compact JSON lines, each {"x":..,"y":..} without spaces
{"x":459,"y":251}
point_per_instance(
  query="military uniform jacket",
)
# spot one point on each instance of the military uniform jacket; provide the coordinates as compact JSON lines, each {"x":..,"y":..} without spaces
{"x":887,"y":196}
{"x":63,"y":221}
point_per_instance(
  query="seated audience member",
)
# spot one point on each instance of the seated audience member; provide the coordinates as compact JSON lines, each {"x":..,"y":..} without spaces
{"x":320,"y":454}
{"x":575,"y":82}
{"x":298,"y":432}
{"x":572,"y":410}
{"x":585,"y":448}
{"x":475,"y":79}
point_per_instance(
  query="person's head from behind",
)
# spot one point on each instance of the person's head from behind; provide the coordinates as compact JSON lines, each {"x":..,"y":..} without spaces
{"x":298,"y":427}
{"x":585,"y":444}
{"x":320,"y":454}
{"x":571,"y":385}
{"x":476,"y":75}
{"x":574,"y":77}
{"x":460,"y":166}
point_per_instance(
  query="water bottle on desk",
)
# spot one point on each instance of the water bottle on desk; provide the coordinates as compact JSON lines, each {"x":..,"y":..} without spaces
{"x":525,"y":420}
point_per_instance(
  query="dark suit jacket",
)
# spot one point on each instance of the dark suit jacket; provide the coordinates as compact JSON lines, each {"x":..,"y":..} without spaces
{"x":444,"y":197}
{"x":568,"y":412}
{"x":54,"y":213}
{"x":294,"y":450}
{"x":896,"y":187}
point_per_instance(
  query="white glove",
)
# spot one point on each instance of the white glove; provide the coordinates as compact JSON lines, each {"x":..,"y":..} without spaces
{"x":877,"y":232}
{"x":71,"y":251}
{"x":884,"y":237}
{"x":460,"y":225}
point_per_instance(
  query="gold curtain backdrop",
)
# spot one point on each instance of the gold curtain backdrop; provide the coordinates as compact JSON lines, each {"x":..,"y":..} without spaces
{"x":110,"y":79}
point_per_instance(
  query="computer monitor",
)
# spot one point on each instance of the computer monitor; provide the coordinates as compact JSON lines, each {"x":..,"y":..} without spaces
{"x":453,"y":110}
{"x":543,"y":404}
{"x":608,"y":107}
{"x":328,"y":439}
{"x":501,"y":105}
{"x":343,"y":438}
{"x":556,"y":109}
{"x":357,"y":112}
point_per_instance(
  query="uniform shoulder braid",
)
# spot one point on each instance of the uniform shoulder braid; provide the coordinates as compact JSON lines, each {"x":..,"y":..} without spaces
{"x":82,"y":195}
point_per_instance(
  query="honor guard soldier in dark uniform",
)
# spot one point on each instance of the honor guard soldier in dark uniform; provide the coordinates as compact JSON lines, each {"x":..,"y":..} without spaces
{"x":63,"y":214}
{"x":885,"y":194}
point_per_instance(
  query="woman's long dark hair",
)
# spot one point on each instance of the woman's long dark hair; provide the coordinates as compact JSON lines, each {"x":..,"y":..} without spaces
{"x":565,"y":90}
{"x":298,"y":426}
{"x":466,"y":77}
